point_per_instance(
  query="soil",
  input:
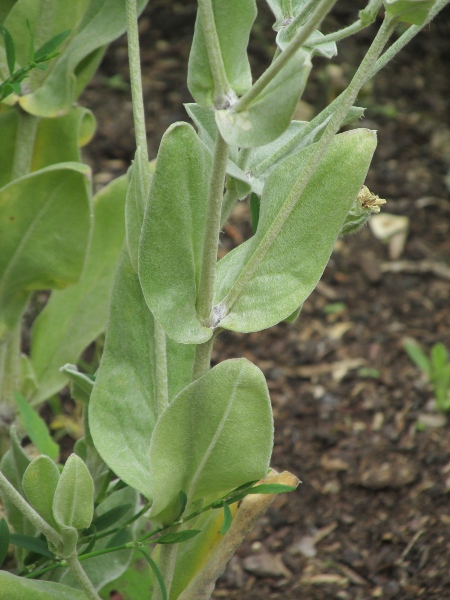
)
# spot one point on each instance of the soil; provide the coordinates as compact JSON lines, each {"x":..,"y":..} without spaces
{"x":355,"y":419}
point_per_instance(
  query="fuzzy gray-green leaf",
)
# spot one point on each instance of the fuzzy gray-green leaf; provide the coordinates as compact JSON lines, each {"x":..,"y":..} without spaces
{"x":295,"y":258}
{"x":171,"y":246}
{"x":215,"y":435}
{"x":73,"y":502}
{"x":233,"y":21}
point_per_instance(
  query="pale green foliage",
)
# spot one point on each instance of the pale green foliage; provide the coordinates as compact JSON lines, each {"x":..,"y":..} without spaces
{"x":19,"y":588}
{"x":170,"y":251}
{"x":189,"y":438}
{"x":80,"y":310}
{"x":93,"y":24}
{"x":42,"y":243}
{"x":292,"y":264}
{"x":251,"y":127}
{"x":40,"y":481}
{"x":233,"y":21}
{"x":123,"y":408}
{"x":73,"y":502}
{"x":216,"y":435}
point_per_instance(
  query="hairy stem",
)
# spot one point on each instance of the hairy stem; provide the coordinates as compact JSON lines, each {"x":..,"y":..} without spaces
{"x":347,"y":100}
{"x":80,"y":575}
{"x":298,"y":40}
{"x":222,"y":88}
{"x":202,"y":360}
{"x":28,"y":512}
{"x":9,"y":383}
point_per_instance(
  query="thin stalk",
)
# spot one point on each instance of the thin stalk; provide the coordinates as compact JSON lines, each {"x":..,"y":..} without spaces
{"x":135,"y":77}
{"x":42,"y":33}
{"x":80,"y":575}
{"x":297,"y":41}
{"x":162,"y":394}
{"x":406,"y":37}
{"x":212,"y":231}
{"x":222,"y":89}
{"x":167,"y":560}
{"x":323,"y":116}
{"x":23,"y":149}
{"x":367,"y":17}
{"x":347,"y":100}
{"x":28,"y":512}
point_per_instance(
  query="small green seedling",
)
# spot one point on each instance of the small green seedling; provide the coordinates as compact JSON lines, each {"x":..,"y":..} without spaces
{"x":436,"y":368}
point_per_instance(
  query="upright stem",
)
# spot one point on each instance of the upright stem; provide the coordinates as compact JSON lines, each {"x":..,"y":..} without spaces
{"x":298,"y":40}
{"x":202,"y":360}
{"x":212,"y":231}
{"x":80,"y":575}
{"x":222,"y":88}
{"x":162,"y":394}
{"x":347,"y":100}
{"x":167,"y":560}
{"x":135,"y":77}
{"x":23,"y":150}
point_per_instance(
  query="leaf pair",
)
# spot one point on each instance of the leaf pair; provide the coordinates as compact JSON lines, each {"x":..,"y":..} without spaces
{"x":66,"y":501}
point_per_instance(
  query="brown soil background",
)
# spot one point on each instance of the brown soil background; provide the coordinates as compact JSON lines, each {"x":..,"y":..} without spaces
{"x":371,"y":518}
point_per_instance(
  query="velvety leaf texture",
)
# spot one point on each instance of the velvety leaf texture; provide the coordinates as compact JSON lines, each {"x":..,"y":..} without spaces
{"x":296,"y":257}
{"x":172,"y":235}
{"x":233,"y":20}
{"x":215,"y":435}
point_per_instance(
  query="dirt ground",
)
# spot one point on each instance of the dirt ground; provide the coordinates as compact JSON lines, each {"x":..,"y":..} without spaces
{"x":355,"y":420}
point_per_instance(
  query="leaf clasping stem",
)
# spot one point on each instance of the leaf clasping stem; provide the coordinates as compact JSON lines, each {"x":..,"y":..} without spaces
{"x":346,"y":101}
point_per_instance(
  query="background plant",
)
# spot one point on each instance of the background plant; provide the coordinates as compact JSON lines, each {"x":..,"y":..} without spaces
{"x":178,"y":396}
{"x":436,"y":367}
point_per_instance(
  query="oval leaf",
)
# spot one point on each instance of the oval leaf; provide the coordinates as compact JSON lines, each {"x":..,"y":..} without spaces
{"x":39,"y":483}
{"x":169,"y":272}
{"x":215,"y":435}
{"x":73,"y":502}
{"x":80,"y":310}
{"x":294,"y":260}
{"x":42,"y":242}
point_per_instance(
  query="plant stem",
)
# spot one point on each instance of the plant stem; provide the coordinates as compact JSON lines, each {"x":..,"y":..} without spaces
{"x":202,"y":360}
{"x":135,"y":77}
{"x":29,"y":513}
{"x":406,"y":37}
{"x":167,"y":560}
{"x":222,"y":89}
{"x":212,"y":231}
{"x":80,"y":575}
{"x":347,"y":100}
{"x":23,"y":150}
{"x":298,"y":40}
